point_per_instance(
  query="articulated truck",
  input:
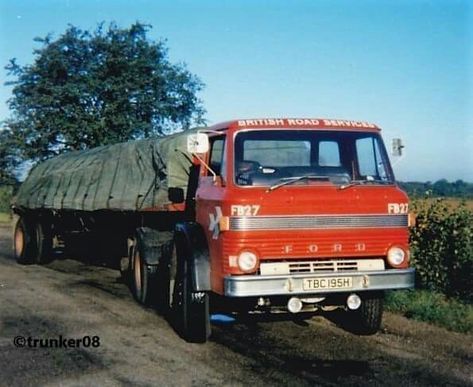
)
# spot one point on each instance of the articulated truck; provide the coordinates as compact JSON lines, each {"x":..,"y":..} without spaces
{"x":259,"y":216}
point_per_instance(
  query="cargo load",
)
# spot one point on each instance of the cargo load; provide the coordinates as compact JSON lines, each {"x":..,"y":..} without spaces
{"x":128,"y":176}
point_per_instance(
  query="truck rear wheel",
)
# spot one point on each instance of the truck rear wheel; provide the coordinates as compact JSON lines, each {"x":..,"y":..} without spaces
{"x":191,"y":309}
{"x":143,"y":276}
{"x":24,"y":241}
{"x":367,"y":319}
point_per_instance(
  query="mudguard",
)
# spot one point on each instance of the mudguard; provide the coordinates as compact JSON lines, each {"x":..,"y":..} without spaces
{"x":153,"y":244}
{"x":197,"y":254}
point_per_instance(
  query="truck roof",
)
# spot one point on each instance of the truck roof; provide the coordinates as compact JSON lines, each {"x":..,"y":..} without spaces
{"x":297,"y":123}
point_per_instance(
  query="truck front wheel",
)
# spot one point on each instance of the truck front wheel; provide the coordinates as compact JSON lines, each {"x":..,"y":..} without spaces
{"x":191,"y":309}
{"x":367,"y":319}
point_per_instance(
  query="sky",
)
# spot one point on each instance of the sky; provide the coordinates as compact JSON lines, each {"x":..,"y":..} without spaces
{"x":405,"y":65}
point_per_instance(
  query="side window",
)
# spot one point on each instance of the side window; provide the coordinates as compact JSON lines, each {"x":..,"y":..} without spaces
{"x":370,"y":162}
{"x":381,"y":167}
{"x":329,"y":154}
{"x":217,"y":155}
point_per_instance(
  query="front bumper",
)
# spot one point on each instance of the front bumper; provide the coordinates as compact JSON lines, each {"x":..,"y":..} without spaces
{"x":280,"y":285}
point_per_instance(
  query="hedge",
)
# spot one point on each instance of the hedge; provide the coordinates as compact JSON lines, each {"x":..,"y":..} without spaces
{"x":442,"y":248}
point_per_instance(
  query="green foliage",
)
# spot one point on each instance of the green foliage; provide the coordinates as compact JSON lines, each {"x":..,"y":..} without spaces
{"x":87,"y":89}
{"x":443,"y":188}
{"x":442,"y":247}
{"x":9,"y":159}
{"x":6,"y":193}
{"x":433,"y":308}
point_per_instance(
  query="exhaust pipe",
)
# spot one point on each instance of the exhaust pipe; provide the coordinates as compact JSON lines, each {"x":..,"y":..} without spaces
{"x":294,"y":305}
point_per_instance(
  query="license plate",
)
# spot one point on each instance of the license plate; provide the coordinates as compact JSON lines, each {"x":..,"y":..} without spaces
{"x":327,"y":283}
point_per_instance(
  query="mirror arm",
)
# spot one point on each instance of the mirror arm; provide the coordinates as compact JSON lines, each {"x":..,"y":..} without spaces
{"x":214,"y":178}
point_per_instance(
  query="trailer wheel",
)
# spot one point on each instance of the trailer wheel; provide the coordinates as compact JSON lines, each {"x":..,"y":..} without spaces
{"x":143,"y":276}
{"x":191,"y":309}
{"x":44,"y":242}
{"x":24,"y":241}
{"x":367,"y":319}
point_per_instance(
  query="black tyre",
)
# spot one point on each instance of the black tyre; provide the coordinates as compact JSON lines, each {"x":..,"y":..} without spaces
{"x":143,"y":276}
{"x":125,"y":263}
{"x":367,"y":319}
{"x":44,"y":242}
{"x":190,"y":309}
{"x":24,"y":241}
{"x":163,"y":300}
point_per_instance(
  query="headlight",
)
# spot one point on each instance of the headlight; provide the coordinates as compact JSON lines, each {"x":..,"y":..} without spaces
{"x":247,"y":261}
{"x":396,"y":256}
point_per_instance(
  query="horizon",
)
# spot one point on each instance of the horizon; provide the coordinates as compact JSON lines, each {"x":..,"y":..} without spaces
{"x":407,"y":67}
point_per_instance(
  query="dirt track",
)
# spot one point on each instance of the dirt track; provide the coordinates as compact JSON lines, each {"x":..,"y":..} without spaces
{"x":73,"y":299}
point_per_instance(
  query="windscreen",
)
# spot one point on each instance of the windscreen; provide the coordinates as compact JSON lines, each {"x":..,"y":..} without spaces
{"x":268,"y":157}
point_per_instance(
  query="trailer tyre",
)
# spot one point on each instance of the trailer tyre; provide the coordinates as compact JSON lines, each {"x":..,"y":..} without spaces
{"x":44,"y":242}
{"x":191,"y":309}
{"x":24,"y":241}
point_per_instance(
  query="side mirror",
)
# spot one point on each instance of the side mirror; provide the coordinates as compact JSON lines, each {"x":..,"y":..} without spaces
{"x":198,"y":143}
{"x":397,"y":147}
{"x":176,"y":195}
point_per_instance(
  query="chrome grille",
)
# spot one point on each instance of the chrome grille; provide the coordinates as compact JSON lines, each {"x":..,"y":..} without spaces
{"x":322,"y":266}
{"x":316,"y":222}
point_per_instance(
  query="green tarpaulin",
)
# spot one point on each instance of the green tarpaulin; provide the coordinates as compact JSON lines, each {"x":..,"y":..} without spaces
{"x":128,"y":176}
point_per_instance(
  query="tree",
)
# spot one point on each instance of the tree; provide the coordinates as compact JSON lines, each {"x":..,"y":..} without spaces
{"x":87,"y":89}
{"x":442,"y":187}
{"x":9,"y":159}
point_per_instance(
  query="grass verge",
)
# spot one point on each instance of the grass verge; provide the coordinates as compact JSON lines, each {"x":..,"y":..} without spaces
{"x":433,"y":308}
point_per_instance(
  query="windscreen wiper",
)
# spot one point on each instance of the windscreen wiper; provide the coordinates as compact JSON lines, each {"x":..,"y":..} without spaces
{"x":289,"y":180}
{"x":362,"y":182}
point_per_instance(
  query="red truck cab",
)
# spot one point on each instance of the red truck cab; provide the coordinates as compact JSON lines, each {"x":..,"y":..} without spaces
{"x":303,"y":214}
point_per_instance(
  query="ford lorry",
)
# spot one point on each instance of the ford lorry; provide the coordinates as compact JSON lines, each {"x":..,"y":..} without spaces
{"x":272,"y":215}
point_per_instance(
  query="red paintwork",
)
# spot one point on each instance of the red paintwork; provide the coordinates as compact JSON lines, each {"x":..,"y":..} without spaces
{"x":301,"y":199}
{"x":285,"y":123}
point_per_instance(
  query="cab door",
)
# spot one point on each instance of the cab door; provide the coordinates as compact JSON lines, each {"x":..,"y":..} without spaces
{"x":209,"y":206}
